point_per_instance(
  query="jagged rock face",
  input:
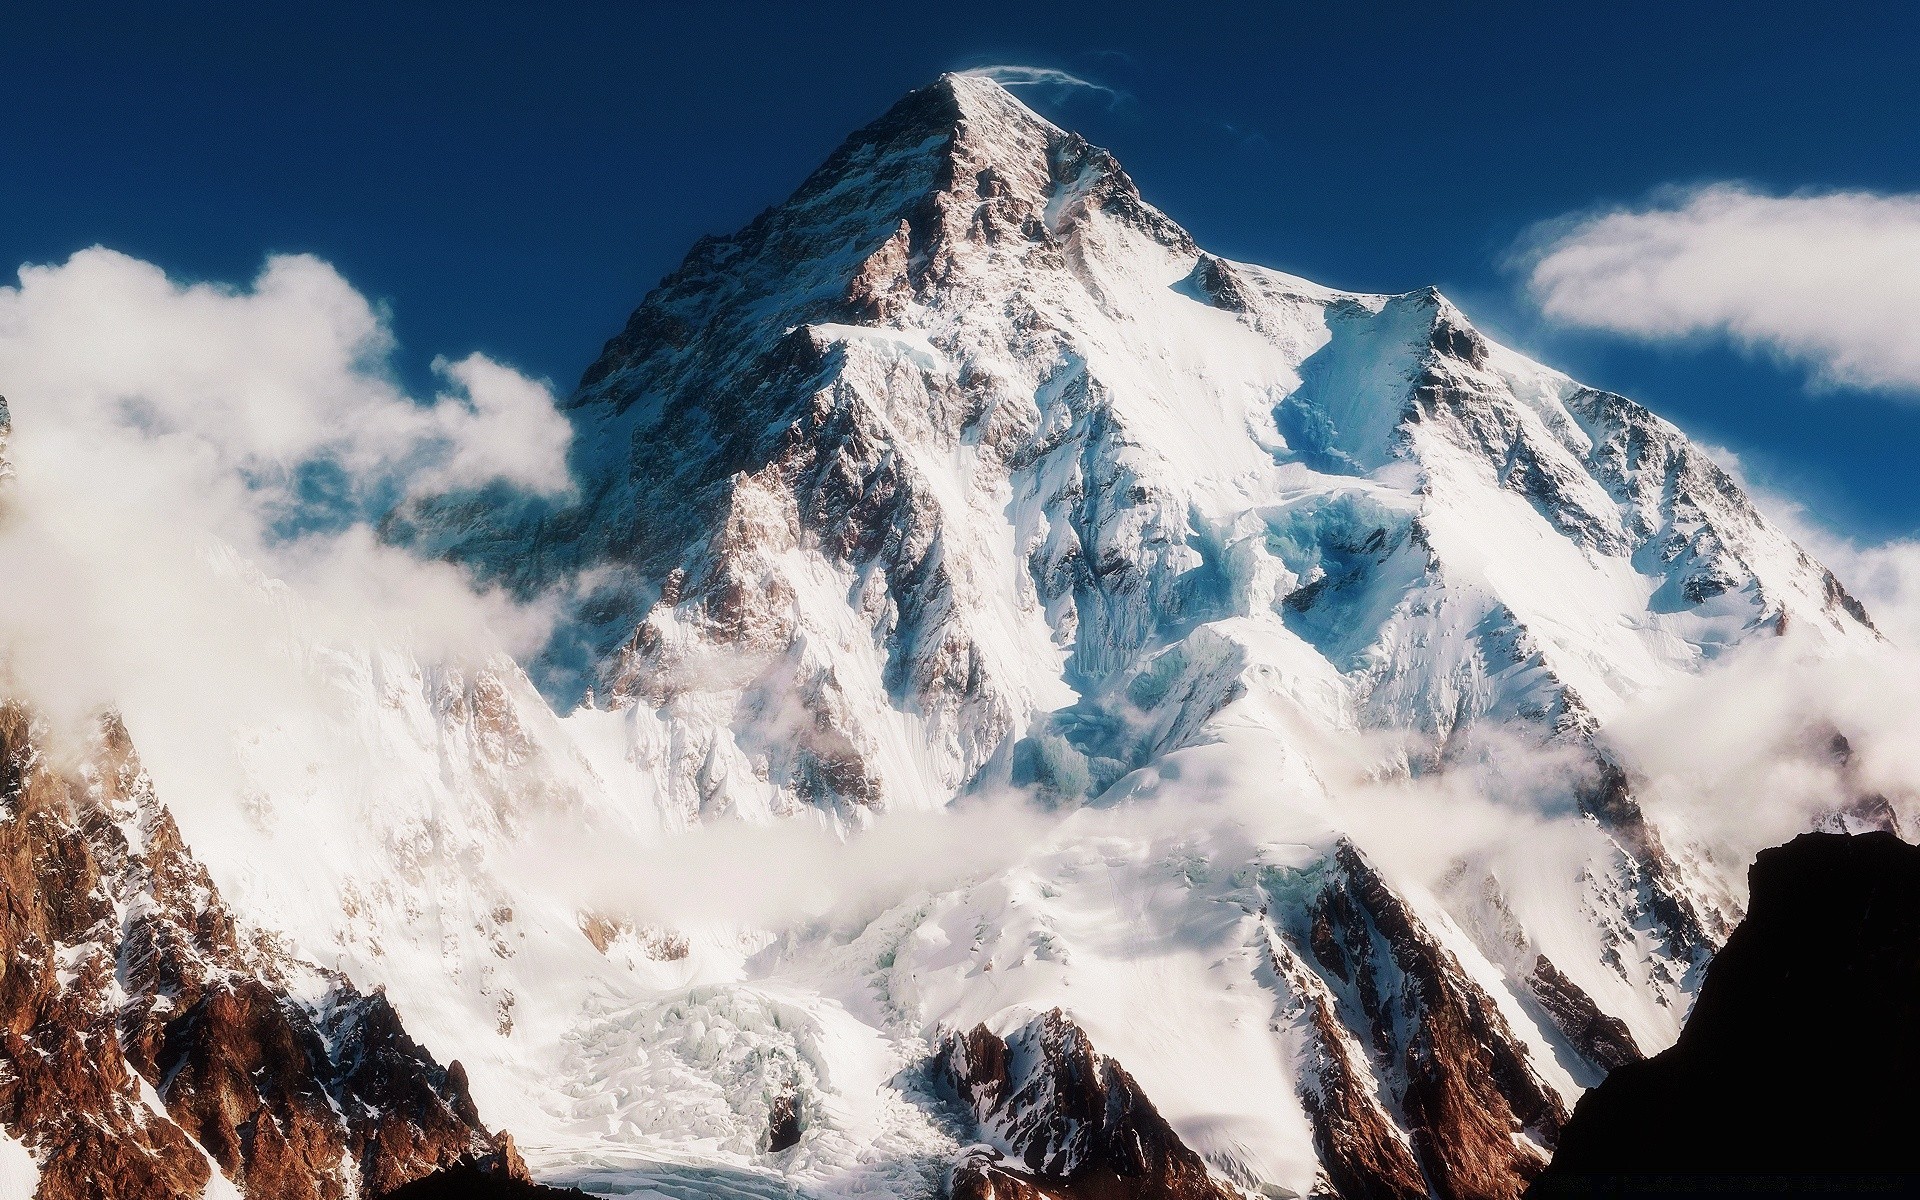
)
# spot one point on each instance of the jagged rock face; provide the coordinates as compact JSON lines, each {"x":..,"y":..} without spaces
{"x":147,"y":1042}
{"x":1801,"y":1052}
{"x":1475,"y":1112}
{"x":1076,"y":1123}
{"x":1603,"y":1040}
{"x":1364,"y":1152}
{"x":1866,"y":810}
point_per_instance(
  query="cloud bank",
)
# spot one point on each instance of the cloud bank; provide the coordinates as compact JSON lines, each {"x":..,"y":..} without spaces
{"x":1829,"y":281}
{"x":192,"y":463}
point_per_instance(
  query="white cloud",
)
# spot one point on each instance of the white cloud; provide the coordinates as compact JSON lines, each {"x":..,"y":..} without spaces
{"x":1013,"y":75}
{"x":196,"y":468}
{"x":292,"y":372}
{"x":1830,"y":280}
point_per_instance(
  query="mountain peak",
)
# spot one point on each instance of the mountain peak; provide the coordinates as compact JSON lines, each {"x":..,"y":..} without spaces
{"x":967,"y":137}
{"x":977,"y":100}
{"x":938,"y":118}
{"x":966,"y":304}
{"x":964,"y":470}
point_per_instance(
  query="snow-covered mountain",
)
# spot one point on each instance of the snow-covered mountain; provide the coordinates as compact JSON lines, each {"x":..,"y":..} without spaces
{"x":1209,"y":675}
{"x":965,"y":469}
{"x":966,"y":434}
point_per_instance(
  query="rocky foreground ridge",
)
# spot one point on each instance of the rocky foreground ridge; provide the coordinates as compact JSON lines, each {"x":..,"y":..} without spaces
{"x":149,"y":1049}
{"x":1797,"y":1064}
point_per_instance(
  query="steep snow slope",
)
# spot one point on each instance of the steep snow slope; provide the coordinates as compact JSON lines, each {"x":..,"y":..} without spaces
{"x":374,"y":821}
{"x":965,"y":431}
{"x":965,"y":472}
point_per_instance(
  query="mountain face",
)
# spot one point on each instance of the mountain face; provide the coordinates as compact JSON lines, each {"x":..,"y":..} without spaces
{"x":1195,"y":616}
{"x":966,"y":471}
{"x":1799,"y":1056}
{"x":965,"y":435}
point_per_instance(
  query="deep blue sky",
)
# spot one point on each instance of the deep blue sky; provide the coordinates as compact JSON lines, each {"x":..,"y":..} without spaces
{"x":513,"y":178}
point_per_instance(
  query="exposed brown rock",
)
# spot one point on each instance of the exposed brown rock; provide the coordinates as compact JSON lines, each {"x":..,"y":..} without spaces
{"x":1603,"y":1040}
{"x":982,"y":1173}
{"x":1364,"y":1154}
{"x":1081,"y":1125}
{"x":1692,"y":930}
{"x":784,"y":1124}
{"x":1472,"y":1104}
{"x":135,"y":1021}
{"x":1214,"y":279}
{"x":601,"y":930}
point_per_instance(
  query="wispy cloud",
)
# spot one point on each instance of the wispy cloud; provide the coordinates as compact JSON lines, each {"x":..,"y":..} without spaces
{"x":1012,"y":75}
{"x":1250,"y":139}
{"x":1830,"y":280}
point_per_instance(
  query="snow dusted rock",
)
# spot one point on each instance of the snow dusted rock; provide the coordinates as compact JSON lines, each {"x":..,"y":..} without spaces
{"x":148,"y":1047}
{"x":1073,"y":1119}
{"x":1867,"y":810}
{"x":1604,"y":1041}
{"x":1477,"y":1114}
{"x":1362,"y":1150}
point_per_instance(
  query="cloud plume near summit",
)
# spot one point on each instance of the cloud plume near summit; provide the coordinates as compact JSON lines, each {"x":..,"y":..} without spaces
{"x":1825,"y":280}
{"x":1012,"y":75}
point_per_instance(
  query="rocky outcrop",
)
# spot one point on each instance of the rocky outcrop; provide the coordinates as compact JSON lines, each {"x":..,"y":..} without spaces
{"x":146,"y":1042}
{"x":1364,"y":1152}
{"x":1070,"y":1121}
{"x":467,"y":1181}
{"x":1476,"y":1113}
{"x":1865,"y":808}
{"x":1603,"y":1040}
{"x":1801,"y":1052}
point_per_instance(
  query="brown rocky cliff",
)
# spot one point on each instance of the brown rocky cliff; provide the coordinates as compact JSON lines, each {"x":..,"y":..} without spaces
{"x":142,"y":1036}
{"x":1469,"y":1098}
{"x":1081,"y":1126}
{"x":1364,"y":1153}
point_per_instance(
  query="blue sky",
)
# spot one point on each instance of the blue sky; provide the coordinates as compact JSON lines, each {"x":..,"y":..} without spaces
{"x":511,"y":179}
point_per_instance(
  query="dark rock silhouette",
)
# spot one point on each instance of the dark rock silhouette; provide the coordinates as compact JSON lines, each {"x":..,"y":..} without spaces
{"x":1799,"y":1058}
{"x":467,"y":1181}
